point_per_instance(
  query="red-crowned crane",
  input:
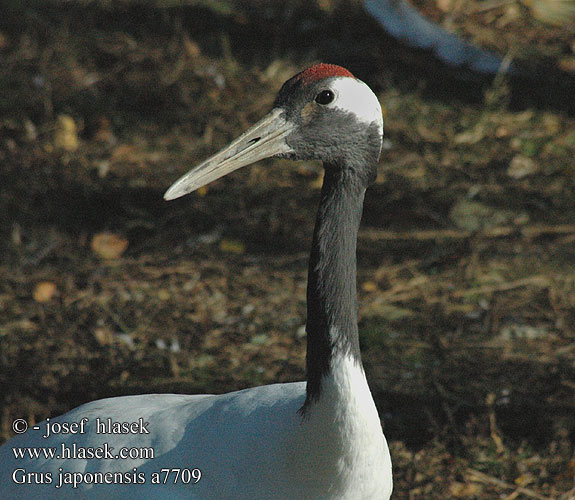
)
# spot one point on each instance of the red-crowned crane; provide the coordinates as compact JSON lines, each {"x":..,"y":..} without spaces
{"x":314,"y":440}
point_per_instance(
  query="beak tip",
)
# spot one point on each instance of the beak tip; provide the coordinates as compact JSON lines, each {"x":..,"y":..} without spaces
{"x":173,"y":193}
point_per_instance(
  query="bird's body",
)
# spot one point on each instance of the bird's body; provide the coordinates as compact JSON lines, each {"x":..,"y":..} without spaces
{"x":255,"y":439}
{"x":320,"y":440}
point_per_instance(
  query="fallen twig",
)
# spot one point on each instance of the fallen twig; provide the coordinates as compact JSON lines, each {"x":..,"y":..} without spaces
{"x":534,"y":231}
{"x":535,"y":281}
{"x":481,"y":477}
{"x":424,"y":287}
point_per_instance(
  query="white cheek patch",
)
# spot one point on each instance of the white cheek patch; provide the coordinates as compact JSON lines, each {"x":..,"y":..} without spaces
{"x":356,"y":97}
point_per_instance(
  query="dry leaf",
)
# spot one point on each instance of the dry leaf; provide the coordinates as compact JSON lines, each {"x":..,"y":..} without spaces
{"x":104,"y":336}
{"x":369,"y":286}
{"x":461,"y":490}
{"x":123,"y":152}
{"x":66,"y":134}
{"x":444,"y":5}
{"x":524,"y":479}
{"x":192,"y":48}
{"x":318,"y":182}
{"x":4,"y":43}
{"x":44,"y":291}
{"x":109,"y":245}
{"x":521,"y":166}
{"x":104,"y":134}
{"x":232,"y":246}
{"x":471,"y":136}
{"x":553,"y":12}
{"x":567,"y":64}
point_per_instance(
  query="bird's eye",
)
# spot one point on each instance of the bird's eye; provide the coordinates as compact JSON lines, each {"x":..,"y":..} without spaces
{"x":325,"y":97}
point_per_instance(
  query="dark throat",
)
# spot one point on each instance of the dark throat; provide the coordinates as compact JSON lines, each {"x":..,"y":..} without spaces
{"x":332,"y":291}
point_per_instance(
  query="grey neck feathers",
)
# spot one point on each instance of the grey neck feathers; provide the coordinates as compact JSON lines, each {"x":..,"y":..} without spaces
{"x":332,"y":291}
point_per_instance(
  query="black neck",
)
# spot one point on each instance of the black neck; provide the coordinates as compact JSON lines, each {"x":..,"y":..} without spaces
{"x":332,"y":290}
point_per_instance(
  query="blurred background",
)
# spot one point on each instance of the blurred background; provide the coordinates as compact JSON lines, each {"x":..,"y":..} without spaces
{"x":466,"y":253}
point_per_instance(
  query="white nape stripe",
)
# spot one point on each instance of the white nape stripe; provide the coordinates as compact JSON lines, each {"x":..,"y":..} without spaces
{"x":343,"y":424}
{"x":354,"y":96}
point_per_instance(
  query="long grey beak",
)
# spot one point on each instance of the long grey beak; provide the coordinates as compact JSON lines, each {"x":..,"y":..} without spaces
{"x":266,"y":138}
